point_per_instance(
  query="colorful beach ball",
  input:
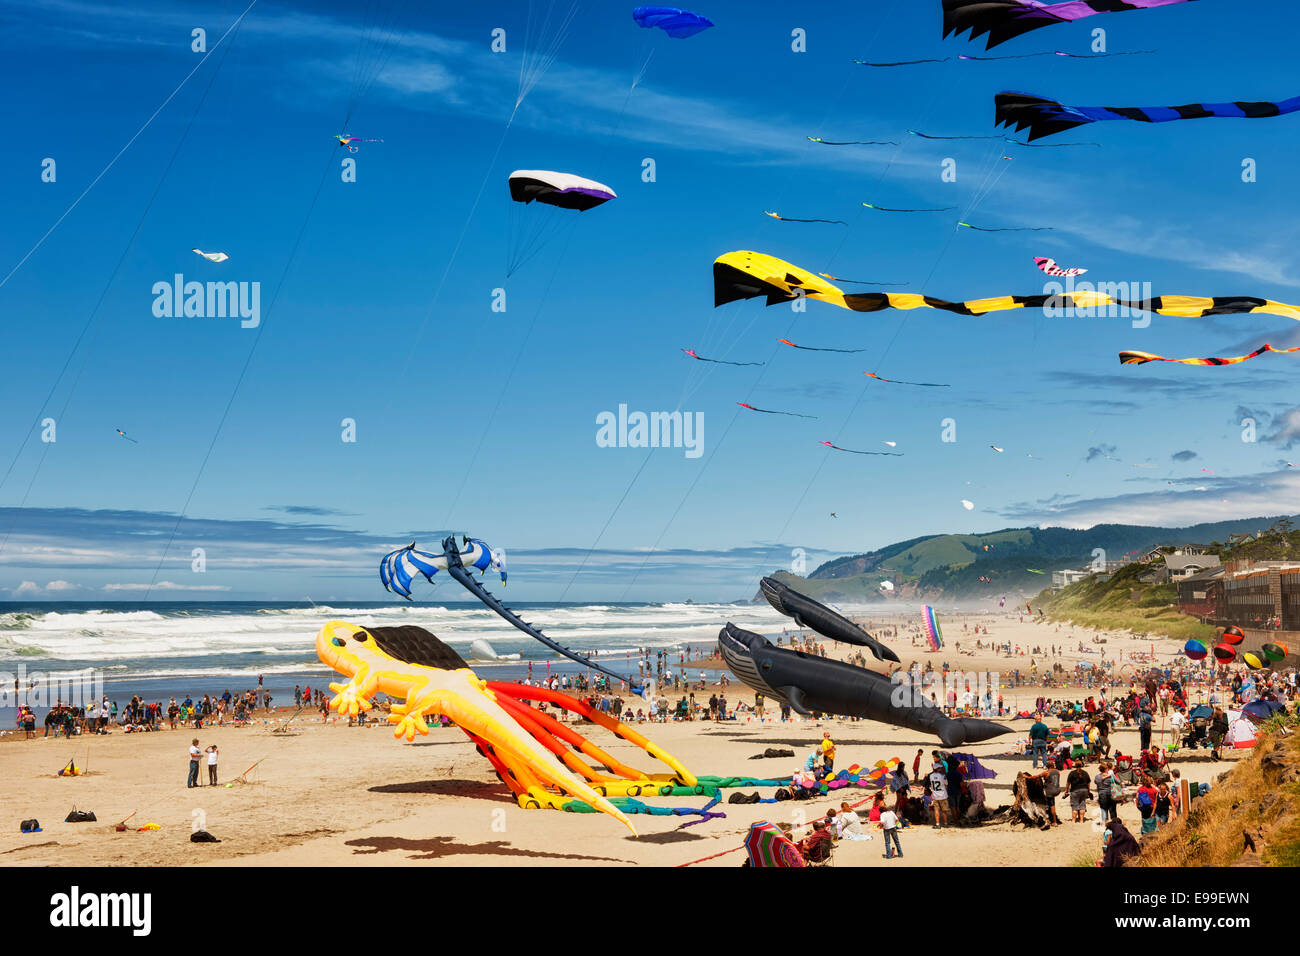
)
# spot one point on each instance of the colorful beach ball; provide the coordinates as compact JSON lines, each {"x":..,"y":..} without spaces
{"x":1232,"y":634}
{"x":1195,"y":650}
{"x":1224,"y":653}
{"x":1253,"y":662}
{"x":1275,"y":652}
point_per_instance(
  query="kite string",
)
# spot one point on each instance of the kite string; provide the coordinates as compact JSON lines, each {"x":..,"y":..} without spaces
{"x":239,"y":381}
{"x":94,"y":312}
{"x":501,"y":392}
{"x":735,"y":415}
{"x":118,"y":155}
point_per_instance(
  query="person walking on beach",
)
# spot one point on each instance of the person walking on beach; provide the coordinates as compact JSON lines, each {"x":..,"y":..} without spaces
{"x":1144,"y":728}
{"x":916,"y":764}
{"x":889,"y":821}
{"x":1038,"y":740}
{"x":195,"y":753}
{"x":758,"y":706}
{"x":212,"y":765}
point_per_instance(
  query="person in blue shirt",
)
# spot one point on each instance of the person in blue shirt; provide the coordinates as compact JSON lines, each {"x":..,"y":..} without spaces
{"x":1038,"y":740}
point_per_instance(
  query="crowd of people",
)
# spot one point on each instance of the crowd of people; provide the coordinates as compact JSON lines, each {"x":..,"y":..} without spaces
{"x":142,"y":716}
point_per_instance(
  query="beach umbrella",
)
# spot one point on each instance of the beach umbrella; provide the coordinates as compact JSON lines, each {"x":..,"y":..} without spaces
{"x":1195,"y":650}
{"x":1224,"y":653}
{"x":1232,"y":634}
{"x":1275,"y":652}
{"x":768,"y":846}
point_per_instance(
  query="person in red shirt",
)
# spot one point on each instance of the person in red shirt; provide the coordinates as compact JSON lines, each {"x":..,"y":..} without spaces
{"x":916,"y":765}
{"x":817,"y":845}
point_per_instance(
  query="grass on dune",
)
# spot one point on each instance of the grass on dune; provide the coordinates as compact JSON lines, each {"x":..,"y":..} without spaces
{"x":1246,"y":800}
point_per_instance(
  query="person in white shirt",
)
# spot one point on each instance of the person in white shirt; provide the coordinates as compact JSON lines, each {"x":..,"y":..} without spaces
{"x":212,"y":765}
{"x":848,"y":825}
{"x":889,"y":820}
{"x":195,"y":754}
{"x":939,"y":796}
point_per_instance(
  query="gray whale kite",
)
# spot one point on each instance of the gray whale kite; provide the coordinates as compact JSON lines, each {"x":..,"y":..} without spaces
{"x":809,"y":683}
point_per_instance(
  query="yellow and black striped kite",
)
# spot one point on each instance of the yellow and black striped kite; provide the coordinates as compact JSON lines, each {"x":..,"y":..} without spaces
{"x":752,"y":275}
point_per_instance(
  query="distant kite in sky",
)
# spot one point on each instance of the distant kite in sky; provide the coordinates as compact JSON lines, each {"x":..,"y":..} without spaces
{"x":968,"y":505}
{"x":851,"y":142}
{"x":857,"y":281}
{"x":1004,"y":20}
{"x":350,"y":142}
{"x":888,"y":209}
{"x":812,"y":348}
{"x":1052,"y":269}
{"x":944,"y":59}
{"x":1141,"y":358}
{"x":768,"y":411}
{"x":931,"y":136}
{"x":835,"y":222}
{"x":997,"y":449}
{"x":746,"y":274}
{"x":896,"y":381}
{"x":1043,"y":117}
{"x":891,"y":444}
{"x":700,"y":358}
{"x":676,"y":22}
{"x":1034,"y":571}
{"x":212,"y":256}
{"x":1009,"y":229}
{"x":126,"y":436}
{"x":854,"y":451}
{"x":1074,"y":56}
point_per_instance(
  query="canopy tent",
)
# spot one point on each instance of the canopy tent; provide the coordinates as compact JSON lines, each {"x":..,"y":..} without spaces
{"x":1241,"y":732}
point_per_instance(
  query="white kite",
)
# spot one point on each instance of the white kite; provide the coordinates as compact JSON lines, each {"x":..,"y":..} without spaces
{"x":968,"y":505}
{"x":997,"y":449}
{"x":212,"y":256}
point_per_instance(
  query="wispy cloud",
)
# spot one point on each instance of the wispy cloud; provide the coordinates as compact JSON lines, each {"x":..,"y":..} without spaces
{"x":1209,"y":499}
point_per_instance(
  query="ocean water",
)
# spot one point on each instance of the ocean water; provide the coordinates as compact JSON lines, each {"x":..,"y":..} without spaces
{"x":160,"y":649}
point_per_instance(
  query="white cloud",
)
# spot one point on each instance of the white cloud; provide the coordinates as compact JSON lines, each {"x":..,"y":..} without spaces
{"x":1218,"y":499}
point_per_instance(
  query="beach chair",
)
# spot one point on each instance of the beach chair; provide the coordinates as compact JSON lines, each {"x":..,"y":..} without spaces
{"x":823,"y":855}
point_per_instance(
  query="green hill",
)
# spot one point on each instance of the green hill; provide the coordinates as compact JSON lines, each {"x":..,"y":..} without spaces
{"x":950,"y":565}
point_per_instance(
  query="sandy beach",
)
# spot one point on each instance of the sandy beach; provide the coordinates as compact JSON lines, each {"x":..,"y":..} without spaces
{"x":326,"y":793}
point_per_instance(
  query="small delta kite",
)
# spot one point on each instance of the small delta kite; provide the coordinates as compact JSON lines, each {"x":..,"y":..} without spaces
{"x":212,"y":256}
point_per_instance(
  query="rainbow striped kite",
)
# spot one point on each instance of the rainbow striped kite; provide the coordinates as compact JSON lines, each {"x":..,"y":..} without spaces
{"x":932,"y":632}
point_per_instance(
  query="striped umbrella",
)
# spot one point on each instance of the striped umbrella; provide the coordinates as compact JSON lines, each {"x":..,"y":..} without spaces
{"x":768,"y":846}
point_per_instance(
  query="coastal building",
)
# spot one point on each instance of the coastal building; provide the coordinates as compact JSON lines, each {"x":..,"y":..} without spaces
{"x":1261,"y":594}
{"x":1063,"y":579}
{"x":1201,"y":593}
{"x":1185,"y":565}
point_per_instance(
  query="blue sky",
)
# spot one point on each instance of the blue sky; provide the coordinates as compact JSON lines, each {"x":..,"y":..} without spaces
{"x":486,"y":421}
